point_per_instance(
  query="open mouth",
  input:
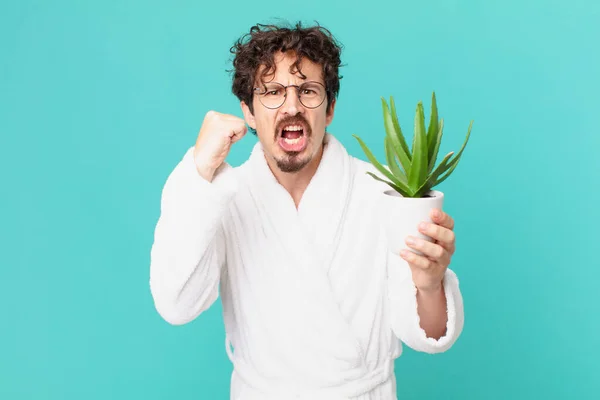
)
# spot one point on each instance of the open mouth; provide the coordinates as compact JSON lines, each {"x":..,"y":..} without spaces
{"x":292,"y":138}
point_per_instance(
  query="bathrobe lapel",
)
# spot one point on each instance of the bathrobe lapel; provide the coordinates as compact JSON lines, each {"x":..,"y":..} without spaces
{"x":305,"y":243}
{"x":310,"y":235}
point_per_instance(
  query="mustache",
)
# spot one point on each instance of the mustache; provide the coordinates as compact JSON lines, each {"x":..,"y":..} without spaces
{"x":296,"y":120}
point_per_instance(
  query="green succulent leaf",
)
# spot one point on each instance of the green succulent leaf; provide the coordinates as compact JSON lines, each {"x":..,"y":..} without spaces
{"x":393,"y":186}
{"x":391,"y":161}
{"x":397,"y":128}
{"x":433,"y":133}
{"x":433,"y":152}
{"x":418,"y":167}
{"x":431,"y":180}
{"x":412,"y":172}
{"x":396,"y":138}
{"x":380,"y":167}
{"x":452,"y":164}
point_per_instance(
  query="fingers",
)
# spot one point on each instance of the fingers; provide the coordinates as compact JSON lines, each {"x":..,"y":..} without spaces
{"x":441,"y":218}
{"x":212,"y":114}
{"x":444,"y":236}
{"x":417,"y":260}
{"x":235,"y":127}
{"x":432,"y":251}
{"x":238,"y":132}
{"x":239,"y":128}
{"x":436,"y":254}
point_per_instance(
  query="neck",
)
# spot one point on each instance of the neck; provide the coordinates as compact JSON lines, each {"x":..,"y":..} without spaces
{"x":296,"y":182}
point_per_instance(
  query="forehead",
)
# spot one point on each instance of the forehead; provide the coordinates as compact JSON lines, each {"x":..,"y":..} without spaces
{"x":286,"y":73}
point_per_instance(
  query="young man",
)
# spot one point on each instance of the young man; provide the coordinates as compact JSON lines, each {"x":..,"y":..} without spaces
{"x":315,"y":306}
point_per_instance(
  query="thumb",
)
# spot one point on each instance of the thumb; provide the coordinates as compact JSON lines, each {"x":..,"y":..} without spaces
{"x":238,"y":134}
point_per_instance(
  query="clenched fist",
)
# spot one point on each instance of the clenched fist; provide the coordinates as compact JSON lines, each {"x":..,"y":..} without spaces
{"x":217,"y":133}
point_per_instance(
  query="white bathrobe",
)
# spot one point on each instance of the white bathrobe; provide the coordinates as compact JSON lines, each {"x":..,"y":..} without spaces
{"x":315,"y":306}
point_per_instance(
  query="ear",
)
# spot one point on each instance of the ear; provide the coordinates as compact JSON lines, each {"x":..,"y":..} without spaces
{"x":248,"y":115}
{"x":330,"y":112}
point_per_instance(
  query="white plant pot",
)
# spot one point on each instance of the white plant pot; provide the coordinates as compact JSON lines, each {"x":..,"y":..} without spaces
{"x":401,"y":216}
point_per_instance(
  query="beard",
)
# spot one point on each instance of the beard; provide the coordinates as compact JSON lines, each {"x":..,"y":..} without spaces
{"x":292,"y":161}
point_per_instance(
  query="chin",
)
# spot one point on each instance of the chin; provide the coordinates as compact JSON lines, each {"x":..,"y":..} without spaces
{"x":292,"y":161}
{"x":291,"y":165}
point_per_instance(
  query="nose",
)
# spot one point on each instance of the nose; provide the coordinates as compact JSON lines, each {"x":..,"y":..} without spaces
{"x":292,"y":105}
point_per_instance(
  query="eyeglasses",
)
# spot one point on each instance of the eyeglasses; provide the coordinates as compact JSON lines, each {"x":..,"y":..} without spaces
{"x":272,"y":95}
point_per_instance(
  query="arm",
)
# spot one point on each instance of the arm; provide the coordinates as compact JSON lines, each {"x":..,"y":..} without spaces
{"x":429,"y":323}
{"x":188,"y":251}
{"x":432,"y":306}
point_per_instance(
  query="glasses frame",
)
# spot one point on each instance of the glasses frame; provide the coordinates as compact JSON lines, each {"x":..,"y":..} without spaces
{"x":285,"y":88}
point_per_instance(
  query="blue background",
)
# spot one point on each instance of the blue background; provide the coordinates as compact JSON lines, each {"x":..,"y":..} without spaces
{"x":100,"y":100}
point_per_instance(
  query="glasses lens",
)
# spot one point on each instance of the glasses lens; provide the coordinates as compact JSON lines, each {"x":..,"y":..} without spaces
{"x":312,"y":94}
{"x":272,"y":95}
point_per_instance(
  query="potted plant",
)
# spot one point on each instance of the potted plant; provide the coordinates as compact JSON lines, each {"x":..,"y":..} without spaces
{"x":411,"y":173}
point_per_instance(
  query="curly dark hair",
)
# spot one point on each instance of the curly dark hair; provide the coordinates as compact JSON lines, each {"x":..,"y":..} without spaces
{"x":316,"y":43}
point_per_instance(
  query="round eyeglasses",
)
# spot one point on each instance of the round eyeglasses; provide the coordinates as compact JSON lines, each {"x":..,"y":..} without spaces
{"x":273,"y":94}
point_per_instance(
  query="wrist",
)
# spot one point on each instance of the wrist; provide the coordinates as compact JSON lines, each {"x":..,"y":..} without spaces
{"x":203,"y":169}
{"x":206,"y":173}
{"x":429,"y":290}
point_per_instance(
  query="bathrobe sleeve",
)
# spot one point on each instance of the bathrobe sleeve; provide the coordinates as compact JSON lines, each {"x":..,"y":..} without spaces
{"x":188,"y":252}
{"x":405,"y":318}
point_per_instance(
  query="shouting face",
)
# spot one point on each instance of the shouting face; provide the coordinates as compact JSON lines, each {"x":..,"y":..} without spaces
{"x":290,"y":113}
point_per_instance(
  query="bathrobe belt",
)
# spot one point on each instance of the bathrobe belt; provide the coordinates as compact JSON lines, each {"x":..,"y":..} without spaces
{"x":270,"y":390}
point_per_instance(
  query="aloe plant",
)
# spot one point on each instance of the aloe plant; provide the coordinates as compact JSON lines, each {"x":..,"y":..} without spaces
{"x":412,"y":172}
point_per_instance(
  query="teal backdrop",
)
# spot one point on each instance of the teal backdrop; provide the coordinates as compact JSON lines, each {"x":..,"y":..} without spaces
{"x":100,"y":100}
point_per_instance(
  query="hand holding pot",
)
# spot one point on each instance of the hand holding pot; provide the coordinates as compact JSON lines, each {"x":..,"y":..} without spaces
{"x":428,"y":269}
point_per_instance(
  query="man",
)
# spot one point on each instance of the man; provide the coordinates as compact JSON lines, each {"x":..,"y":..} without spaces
{"x":315,"y":306}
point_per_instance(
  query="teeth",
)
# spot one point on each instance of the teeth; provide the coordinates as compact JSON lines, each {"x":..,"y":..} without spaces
{"x":291,"y":141}
{"x":292,"y":128}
